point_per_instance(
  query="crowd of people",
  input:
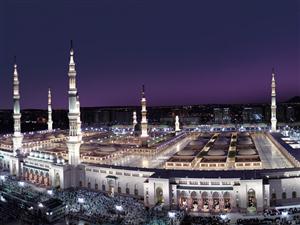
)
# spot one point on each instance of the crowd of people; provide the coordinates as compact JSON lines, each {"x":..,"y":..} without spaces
{"x":96,"y":207}
{"x":99,"y":208}
{"x":211,"y":220}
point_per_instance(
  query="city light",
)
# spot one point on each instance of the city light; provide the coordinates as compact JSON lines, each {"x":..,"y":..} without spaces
{"x":80,"y":200}
{"x":119,"y":207}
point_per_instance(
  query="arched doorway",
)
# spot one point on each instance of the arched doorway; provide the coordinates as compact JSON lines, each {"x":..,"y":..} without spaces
{"x":57,"y":180}
{"x":111,"y":187}
{"x":182,"y":199}
{"x":194,"y":201}
{"x":227,"y":203}
{"x":31,"y":175}
{"x":36,"y":176}
{"x":26,"y":175}
{"x":216,"y":201}
{"x":205,"y":201}
{"x":159,"y":195}
{"x":41,"y":179}
{"x":251,"y":201}
{"x":47,"y":180}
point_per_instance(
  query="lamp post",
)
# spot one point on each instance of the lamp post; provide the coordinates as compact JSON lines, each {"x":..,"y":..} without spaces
{"x":81,"y":202}
{"x":119,"y":209}
{"x":172,"y":215}
{"x":2,"y":178}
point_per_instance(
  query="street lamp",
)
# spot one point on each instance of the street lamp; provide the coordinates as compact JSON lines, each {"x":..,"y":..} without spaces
{"x":119,"y":209}
{"x":81,"y":202}
{"x":223,"y":216}
{"x":172,"y":215}
{"x":2,"y":178}
{"x":284,"y":214}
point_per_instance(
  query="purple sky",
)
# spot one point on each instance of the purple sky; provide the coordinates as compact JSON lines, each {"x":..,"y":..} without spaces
{"x":185,"y":52}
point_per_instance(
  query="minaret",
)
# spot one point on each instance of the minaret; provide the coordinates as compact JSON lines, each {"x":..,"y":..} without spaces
{"x":50,"y":122}
{"x":144,"y":122}
{"x":177,"y":125}
{"x":134,"y":119}
{"x":273,"y":104}
{"x":17,"y":136}
{"x":75,"y":136}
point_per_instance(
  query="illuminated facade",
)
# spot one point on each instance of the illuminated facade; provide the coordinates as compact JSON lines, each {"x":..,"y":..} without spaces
{"x":198,"y":171}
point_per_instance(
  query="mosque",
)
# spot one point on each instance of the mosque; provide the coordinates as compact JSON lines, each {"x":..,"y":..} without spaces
{"x":198,"y":171}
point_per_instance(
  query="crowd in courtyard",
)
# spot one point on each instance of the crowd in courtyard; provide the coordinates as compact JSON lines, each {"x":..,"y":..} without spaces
{"x":100,"y":208}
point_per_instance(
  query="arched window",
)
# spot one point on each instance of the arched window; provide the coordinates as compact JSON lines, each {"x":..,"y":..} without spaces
{"x":127,"y":191}
{"x":136,"y":191}
{"x":89,"y":184}
{"x":283,"y":196}
{"x":96,"y":186}
{"x":103,"y":187}
{"x":273,"y":196}
{"x":294,"y":194}
{"x":119,"y":190}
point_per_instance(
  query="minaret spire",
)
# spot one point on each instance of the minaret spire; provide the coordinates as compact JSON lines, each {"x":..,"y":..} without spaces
{"x":273,"y":103}
{"x":144,"y":122}
{"x":134,"y":119}
{"x":50,"y":122}
{"x":177,"y":124}
{"x":17,"y":136}
{"x":75,"y":136}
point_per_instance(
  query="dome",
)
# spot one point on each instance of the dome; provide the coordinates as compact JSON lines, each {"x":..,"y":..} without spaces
{"x":247,"y":152}
{"x":61,"y":136}
{"x":50,"y":136}
{"x":245,"y":141}
{"x":51,"y":157}
{"x":37,"y":135}
{"x":222,"y":141}
{"x":197,"y":142}
{"x":186,"y":153}
{"x":107,"y":149}
{"x":36,"y":154}
{"x":216,"y":153}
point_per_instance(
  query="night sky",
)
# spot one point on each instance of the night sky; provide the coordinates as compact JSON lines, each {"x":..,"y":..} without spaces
{"x":185,"y":52}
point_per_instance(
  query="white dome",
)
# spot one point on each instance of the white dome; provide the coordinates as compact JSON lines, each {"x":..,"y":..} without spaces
{"x":216,"y":153}
{"x":247,"y":152}
{"x":186,"y":153}
{"x":197,"y":142}
{"x":107,"y":149}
